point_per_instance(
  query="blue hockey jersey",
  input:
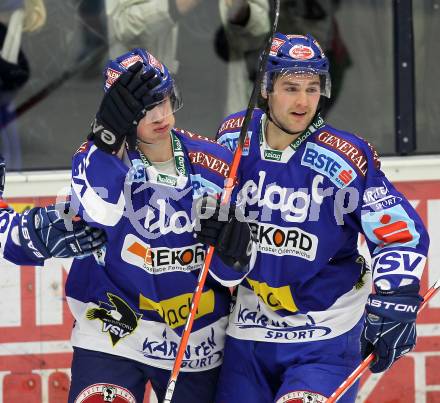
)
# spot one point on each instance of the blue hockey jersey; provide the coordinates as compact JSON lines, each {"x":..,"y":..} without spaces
{"x":133,"y":299}
{"x":307,"y":205}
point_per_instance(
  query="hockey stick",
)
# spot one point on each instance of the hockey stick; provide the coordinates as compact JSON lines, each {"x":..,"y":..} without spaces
{"x":356,"y":374}
{"x":229,"y":186}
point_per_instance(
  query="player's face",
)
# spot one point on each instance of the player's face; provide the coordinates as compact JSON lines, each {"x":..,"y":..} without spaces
{"x":294,"y":101}
{"x":157,"y":123}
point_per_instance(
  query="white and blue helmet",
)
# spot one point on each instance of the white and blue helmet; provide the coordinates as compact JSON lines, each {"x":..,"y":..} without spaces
{"x":297,"y":54}
{"x":167,"y":87}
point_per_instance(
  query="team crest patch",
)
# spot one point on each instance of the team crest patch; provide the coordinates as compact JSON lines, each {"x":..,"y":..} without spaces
{"x":302,"y":397}
{"x":118,"y":319}
{"x":104,"y":392}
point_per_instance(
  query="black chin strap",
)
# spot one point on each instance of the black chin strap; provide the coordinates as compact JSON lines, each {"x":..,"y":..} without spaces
{"x":281,"y":127}
{"x":138,"y":140}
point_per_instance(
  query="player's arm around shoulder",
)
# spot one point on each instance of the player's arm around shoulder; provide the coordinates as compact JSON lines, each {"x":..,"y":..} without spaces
{"x":220,"y":226}
{"x":98,"y":183}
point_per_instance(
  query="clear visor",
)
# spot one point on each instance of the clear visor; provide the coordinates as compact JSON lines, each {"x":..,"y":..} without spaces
{"x":292,"y":79}
{"x":168,"y":106}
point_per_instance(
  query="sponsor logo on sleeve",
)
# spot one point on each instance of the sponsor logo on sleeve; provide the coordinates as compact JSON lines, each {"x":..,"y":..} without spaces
{"x":82,"y":148}
{"x":398,"y":262}
{"x":161,"y":260}
{"x":210,"y":162}
{"x":329,"y":164}
{"x":389,"y":228}
{"x":230,"y":124}
{"x":174,"y":311}
{"x":230,"y":140}
{"x":352,"y":152}
{"x":118,"y":319}
{"x":378,"y":198}
{"x":282,"y":241}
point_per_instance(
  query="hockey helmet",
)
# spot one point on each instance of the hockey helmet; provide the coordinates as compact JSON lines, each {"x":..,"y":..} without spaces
{"x":167,"y":87}
{"x":296,"y":54}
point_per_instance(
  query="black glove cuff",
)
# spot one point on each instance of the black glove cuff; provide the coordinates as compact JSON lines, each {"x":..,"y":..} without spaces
{"x":104,"y":139}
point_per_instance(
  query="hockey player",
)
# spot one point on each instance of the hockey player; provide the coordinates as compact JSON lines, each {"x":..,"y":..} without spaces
{"x":310,"y":189}
{"x":43,"y":232}
{"x":137,"y":177}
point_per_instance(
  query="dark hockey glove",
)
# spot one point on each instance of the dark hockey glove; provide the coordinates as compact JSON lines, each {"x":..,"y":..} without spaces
{"x":122,"y":106}
{"x":231,"y":237}
{"x":390,"y":325}
{"x":47,"y":232}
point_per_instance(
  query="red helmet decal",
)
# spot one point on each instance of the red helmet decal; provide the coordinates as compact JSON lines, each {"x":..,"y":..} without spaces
{"x":155,"y":63}
{"x":301,"y":52}
{"x":276,"y":44}
{"x":129,"y":61}
{"x":112,"y":76}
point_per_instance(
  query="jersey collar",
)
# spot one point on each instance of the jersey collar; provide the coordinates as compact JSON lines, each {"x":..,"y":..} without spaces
{"x":284,"y":156}
{"x":178,"y":181}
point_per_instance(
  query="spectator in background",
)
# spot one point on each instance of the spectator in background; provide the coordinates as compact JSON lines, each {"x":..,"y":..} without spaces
{"x":93,"y":30}
{"x":243,"y":44}
{"x":245,"y":25}
{"x":182,"y":33}
{"x":316,"y":17}
{"x":16,"y":16}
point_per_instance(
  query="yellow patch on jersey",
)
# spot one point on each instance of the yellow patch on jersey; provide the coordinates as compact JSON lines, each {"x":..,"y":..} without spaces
{"x":175,"y":311}
{"x":20,"y":207}
{"x":274,"y":297}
